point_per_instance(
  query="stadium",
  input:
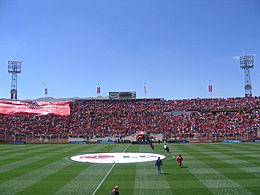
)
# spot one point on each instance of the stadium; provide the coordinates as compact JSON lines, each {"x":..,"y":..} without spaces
{"x":133,"y":97}
{"x":39,"y":138}
{"x":120,"y":120}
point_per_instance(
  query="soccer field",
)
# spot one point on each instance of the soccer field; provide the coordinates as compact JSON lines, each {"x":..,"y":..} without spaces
{"x":230,"y":168}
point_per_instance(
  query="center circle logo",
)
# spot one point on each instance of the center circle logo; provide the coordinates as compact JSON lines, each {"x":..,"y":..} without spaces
{"x":117,"y":157}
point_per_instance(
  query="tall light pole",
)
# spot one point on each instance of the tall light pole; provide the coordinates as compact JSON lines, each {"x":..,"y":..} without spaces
{"x":14,"y":67}
{"x":247,"y":62}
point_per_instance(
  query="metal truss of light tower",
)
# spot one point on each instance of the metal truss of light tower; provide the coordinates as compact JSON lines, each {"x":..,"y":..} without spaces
{"x":247,"y":62}
{"x":14,"y":67}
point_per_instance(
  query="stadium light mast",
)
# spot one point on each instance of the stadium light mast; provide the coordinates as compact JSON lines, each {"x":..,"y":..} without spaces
{"x":247,"y":62}
{"x":14,"y":67}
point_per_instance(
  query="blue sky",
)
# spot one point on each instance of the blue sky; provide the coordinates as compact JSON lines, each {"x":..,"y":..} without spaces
{"x":176,"y":47}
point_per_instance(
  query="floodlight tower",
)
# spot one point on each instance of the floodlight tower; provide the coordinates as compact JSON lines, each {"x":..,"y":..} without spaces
{"x":14,"y":67}
{"x":247,"y":62}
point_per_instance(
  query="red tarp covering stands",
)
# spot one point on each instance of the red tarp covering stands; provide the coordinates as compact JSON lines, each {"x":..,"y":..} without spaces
{"x":33,"y":107}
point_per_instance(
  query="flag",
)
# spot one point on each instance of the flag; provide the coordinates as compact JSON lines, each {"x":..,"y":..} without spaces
{"x":98,"y":90}
{"x":145,"y":90}
{"x":210,"y":88}
{"x":46,"y":91}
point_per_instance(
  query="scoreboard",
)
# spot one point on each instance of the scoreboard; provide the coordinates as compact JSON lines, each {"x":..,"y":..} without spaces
{"x":122,"y":95}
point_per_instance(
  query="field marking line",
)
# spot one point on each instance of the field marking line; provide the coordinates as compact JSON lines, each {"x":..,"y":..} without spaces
{"x":126,"y":148}
{"x":103,"y":179}
{"x":107,"y":174}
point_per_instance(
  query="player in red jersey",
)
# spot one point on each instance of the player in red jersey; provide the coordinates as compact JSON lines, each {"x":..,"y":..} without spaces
{"x":179,"y":160}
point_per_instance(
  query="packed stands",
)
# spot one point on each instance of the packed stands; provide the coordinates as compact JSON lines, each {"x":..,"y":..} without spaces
{"x":175,"y":119}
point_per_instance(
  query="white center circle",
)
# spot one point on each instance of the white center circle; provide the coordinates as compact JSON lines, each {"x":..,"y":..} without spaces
{"x":117,"y":157}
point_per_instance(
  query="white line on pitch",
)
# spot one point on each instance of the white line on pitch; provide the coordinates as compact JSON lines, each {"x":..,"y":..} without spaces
{"x":126,"y":148}
{"x":103,"y":179}
{"x":106,"y":175}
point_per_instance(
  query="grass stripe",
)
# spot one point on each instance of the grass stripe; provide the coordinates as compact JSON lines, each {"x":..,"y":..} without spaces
{"x":181,"y":180}
{"x":26,"y":180}
{"x":22,"y":154}
{"x":156,"y":183}
{"x":249,"y":165}
{"x":50,"y":184}
{"x":209,"y":169}
{"x":220,"y":184}
{"x":240,"y":153}
{"x":71,"y":150}
{"x":35,"y":163}
{"x":54,"y":180}
{"x":121,"y":175}
{"x":103,"y":179}
{"x":90,"y":179}
{"x":231,"y":161}
{"x":222,"y":162}
{"x":15,"y":149}
{"x":13,"y":163}
{"x":106,"y":175}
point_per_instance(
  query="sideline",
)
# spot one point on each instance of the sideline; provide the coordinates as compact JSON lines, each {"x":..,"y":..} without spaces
{"x":107,"y":174}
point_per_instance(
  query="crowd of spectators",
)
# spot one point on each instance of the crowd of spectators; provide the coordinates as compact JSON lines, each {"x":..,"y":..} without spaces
{"x":119,"y":118}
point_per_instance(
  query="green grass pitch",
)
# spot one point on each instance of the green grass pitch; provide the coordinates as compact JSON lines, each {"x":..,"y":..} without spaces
{"x":230,"y":168}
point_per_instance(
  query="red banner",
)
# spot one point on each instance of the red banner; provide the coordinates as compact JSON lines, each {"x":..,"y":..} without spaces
{"x":33,"y":107}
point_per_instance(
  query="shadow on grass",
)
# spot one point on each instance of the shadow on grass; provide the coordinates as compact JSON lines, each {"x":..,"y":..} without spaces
{"x":165,"y":173}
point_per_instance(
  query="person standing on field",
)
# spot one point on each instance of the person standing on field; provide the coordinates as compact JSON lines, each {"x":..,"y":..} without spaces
{"x":158,"y":164}
{"x":166,"y":148}
{"x":115,"y":191}
{"x":179,"y":160}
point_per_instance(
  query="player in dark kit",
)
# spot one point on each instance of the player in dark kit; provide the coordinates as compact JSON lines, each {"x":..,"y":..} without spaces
{"x":151,"y":145}
{"x":115,"y":191}
{"x":166,"y":148}
{"x":158,"y":164}
{"x":179,"y":160}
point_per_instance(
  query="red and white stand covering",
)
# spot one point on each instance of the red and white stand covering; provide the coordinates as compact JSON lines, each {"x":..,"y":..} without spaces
{"x":33,"y":107}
